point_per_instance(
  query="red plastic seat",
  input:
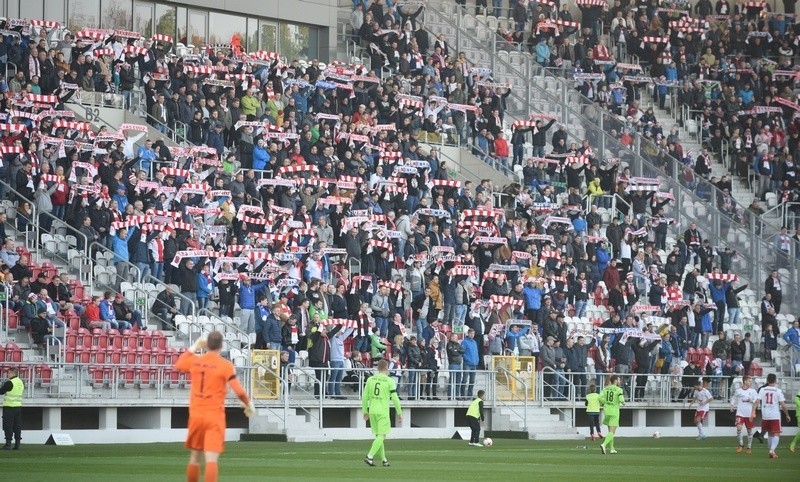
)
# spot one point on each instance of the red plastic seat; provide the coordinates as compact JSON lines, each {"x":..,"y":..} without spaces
{"x":172,"y":378}
{"x":159,"y":357}
{"x":114,"y":356}
{"x":145,"y":376}
{"x":128,"y":339}
{"x":128,"y":356}
{"x":83,"y":356}
{"x":13,"y":353}
{"x":84,"y":337}
{"x":99,"y":338}
{"x":97,"y":355}
{"x":24,"y":371}
{"x":127,"y":377}
{"x":158,"y":340}
{"x":72,"y":340}
{"x":186,"y":379}
{"x":142,"y":356}
{"x":43,"y":374}
{"x":143,"y":339}
{"x":97,"y":376}
{"x":13,"y":320}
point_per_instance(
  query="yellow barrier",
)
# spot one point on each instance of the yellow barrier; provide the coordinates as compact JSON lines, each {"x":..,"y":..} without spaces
{"x":522,"y":367}
{"x":265,"y":385}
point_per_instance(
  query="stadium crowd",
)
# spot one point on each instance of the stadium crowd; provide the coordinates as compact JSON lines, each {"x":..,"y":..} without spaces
{"x":306,"y":198}
{"x":733,"y":67}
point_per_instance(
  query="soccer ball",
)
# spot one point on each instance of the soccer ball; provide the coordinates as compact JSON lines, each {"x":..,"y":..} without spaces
{"x":656,"y":434}
{"x":487,"y":442}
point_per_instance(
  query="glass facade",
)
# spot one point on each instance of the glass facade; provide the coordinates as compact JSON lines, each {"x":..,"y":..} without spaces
{"x":223,"y":27}
{"x":116,"y":14}
{"x":186,"y":25}
{"x":82,"y":14}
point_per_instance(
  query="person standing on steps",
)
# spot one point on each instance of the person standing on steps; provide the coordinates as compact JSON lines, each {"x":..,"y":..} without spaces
{"x":13,"y":390}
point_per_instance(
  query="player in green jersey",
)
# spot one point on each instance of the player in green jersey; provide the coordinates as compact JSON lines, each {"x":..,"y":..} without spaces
{"x":793,"y":445}
{"x":611,"y":398}
{"x":375,"y":405}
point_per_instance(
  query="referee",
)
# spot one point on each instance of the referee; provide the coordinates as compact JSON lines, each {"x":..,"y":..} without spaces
{"x":12,"y":408}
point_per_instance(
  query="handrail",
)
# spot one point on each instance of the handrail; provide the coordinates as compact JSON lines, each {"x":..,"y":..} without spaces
{"x":322,"y":388}
{"x":33,"y":221}
{"x":522,"y":382}
{"x":284,"y":388}
{"x":116,"y":287}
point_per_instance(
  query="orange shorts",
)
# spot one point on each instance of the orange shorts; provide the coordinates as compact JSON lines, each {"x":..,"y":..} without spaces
{"x":206,"y":433}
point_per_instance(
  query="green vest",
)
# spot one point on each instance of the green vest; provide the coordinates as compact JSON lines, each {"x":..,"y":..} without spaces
{"x":14,"y":397}
{"x":593,"y":403}
{"x":474,"y":409}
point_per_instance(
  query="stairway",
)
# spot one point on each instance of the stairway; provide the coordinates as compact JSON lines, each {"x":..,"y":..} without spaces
{"x":542,"y":424}
{"x":691,"y":142}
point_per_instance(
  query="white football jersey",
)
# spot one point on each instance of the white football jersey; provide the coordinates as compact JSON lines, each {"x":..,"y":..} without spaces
{"x":771,"y":398}
{"x":701,"y":395}
{"x":743,"y":401}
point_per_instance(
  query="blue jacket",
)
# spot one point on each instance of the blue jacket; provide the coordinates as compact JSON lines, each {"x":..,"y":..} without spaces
{"x":205,"y":285}
{"x":511,"y":337}
{"x":146,"y":156}
{"x":579,"y":224}
{"x":216,"y":141}
{"x":139,"y":246}
{"x":665,"y":351}
{"x":533,"y":298}
{"x":792,"y":336}
{"x":718,"y":293}
{"x":428,"y":333}
{"x":705,"y":323}
{"x":260,"y":158}
{"x":603,"y":258}
{"x":122,"y":201}
{"x":106,"y":311}
{"x":120,"y":247}
{"x":247,"y":295}
{"x":267,"y":325}
{"x":470,"y":351}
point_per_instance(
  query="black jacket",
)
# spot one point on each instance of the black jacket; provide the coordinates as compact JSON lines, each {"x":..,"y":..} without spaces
{"x":455,"y":352}
{"x":320,"y":351}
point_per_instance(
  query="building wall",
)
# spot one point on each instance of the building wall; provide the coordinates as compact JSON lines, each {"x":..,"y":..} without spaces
{"x":297,"y":28}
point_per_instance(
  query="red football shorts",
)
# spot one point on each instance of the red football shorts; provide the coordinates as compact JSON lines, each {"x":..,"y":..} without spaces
{"x":206,"y":433}
{"x":699,"y":416}
{"x":771,"y":426}
{"x":744,"y":421}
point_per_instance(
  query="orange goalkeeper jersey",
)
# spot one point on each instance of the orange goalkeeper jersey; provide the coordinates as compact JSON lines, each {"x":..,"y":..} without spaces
{"x":211,"y":375}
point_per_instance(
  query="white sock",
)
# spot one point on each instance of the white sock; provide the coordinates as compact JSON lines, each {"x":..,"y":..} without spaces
{"x":700,"y":428}
{"x":750,"y":440}
{"x":739,"y":436}
{"x":773,"y":443}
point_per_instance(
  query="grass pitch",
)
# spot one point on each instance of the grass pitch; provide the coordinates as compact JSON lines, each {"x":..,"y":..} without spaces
{"x":638,"y":459}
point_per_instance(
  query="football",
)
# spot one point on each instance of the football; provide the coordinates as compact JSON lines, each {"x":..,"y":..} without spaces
{"x":656,"y":434}
{"x":487,"y":442}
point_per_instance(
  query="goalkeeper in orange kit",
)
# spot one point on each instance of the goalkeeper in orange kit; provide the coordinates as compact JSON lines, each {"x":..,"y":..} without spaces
{"x":211,"y":374}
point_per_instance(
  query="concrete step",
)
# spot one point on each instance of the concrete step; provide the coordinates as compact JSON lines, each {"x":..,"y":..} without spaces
{"x":310,"y":437}
{"x":556,"y":436}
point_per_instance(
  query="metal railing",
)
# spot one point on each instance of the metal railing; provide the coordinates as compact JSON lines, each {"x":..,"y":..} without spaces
{"x":31,"y":231}
{"x":515,"y":396}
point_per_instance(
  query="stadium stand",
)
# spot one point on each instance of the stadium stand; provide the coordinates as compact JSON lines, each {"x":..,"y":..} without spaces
{"x":320,"y":188}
